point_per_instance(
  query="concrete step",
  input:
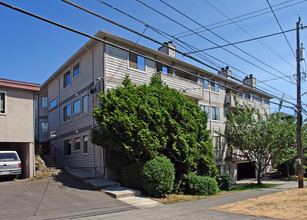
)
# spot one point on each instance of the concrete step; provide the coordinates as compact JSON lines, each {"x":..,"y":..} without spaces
{"x":101,"y":183}
{"x":82,"y":174}
{"x":121,"y":192}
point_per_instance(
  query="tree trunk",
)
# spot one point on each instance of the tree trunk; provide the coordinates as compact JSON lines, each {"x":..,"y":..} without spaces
{"x":259,"y":177}
{"x":288,"y":168}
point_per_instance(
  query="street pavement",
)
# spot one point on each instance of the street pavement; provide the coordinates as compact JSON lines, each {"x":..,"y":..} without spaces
{"x":59,"y":197}
{"x":66,"y":197}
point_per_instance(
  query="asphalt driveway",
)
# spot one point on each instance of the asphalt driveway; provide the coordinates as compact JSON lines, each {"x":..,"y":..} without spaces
{"x":59,"y":197}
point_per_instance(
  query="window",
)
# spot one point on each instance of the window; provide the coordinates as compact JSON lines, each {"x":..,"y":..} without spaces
{"x":136,"y":61}
{"x":52,"y":103}
{"x":76,"y":106}
{"x":85,"y":141}
{"x":215,"y":112}
{"x":52,"y":133}
{"x":216,"y":142}
{"x":205,"y":108}
{"x":247,"y":96}
{"x":205,"y":82}
{"x":214,"y":87}
{"x":77,"y":143}
{"x":44,"y":102}
{"x":67,"y":112}
{"x":2,"y":103}
{"x":84,"y":105}
{"x":162,"y":68}
{"x":76,"y":70}
{"x":44,"y":126}
{"x":66,"y":79}
{"x":67,"y":147}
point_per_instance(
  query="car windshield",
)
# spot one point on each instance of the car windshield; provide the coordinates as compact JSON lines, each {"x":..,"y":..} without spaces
{"x":8,"y":157}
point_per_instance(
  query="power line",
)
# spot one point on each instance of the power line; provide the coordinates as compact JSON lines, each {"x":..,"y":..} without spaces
{"x":170,"y":6}
{"x":204,"y":37}
{"x":164,"y":34}
{"x":244,"y":41}
{"x":112,"y":44}
{"x":280,"y":27}
{"x":135,"y":32}
{"x":187,"y":33}
{"x":263,"y":43}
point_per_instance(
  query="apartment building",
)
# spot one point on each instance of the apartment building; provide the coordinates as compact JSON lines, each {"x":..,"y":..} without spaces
{"x":17,"y":121}
{"x":67,"y":98}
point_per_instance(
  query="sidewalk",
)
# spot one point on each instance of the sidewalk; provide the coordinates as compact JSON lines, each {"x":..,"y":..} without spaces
{"x":199,"y":209}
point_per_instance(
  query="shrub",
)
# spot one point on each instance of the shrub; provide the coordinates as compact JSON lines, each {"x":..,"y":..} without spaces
{"x":158,"y":176}
{"x":131,"y":175}
{"x":224,"y":182}
{"x":282,"y":168}
{"x":200,"y":185}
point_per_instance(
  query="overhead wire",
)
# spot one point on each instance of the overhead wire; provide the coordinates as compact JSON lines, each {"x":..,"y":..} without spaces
{"x":135,"y":32}
{"x":188,"y":33}
{"x":172,"y":7}
{"x":213,"y":42}
{"x":117,"y":46}
{"x":247,"y":32}
{"x":164,"y":34}
{"x":281,"y":28}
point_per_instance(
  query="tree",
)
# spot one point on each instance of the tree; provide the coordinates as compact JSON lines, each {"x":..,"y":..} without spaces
{"x":141,"y":122}
{"x":259,"y":138}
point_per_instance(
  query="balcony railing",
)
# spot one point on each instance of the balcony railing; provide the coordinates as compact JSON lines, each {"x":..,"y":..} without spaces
{"x":188,"y":87}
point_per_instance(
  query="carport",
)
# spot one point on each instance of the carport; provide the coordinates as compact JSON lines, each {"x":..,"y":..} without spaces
{"x":17,"y":121}
{"x":26,"y":154}
{"x":246,"y":170}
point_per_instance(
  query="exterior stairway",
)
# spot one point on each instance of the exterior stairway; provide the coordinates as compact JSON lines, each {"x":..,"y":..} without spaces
{"x":53,"y":167}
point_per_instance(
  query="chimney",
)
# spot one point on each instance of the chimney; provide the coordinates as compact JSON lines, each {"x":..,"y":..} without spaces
{"x":250,"y":81}
{"x":225,"y":72}
{"x":168,"y":51}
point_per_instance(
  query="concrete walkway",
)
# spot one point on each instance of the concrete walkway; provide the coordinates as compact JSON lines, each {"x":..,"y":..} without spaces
{"x":199,"y":209}
{"x":129,"y":196}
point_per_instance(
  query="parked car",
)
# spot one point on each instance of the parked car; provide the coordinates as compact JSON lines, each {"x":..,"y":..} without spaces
{"x":10,"y":164}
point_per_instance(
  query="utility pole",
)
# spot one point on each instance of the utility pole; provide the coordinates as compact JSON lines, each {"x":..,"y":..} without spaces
{"x":299,"y":110}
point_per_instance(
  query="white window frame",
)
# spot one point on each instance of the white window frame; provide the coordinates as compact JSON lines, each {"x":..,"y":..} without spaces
{"x":5,"y":103}
{"x":203,"y":108}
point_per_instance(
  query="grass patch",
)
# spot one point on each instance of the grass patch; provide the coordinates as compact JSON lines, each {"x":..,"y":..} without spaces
{"x":252,"y":186}
{"x":176,"y":198}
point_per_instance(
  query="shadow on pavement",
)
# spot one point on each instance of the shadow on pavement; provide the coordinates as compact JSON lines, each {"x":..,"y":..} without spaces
{"x":70,"y":181}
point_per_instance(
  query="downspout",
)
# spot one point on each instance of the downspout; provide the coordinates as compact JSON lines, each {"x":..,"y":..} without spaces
{"x":93,"y":105}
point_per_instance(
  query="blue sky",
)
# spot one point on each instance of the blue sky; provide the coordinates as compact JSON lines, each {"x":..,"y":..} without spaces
{"x":32,"y":50}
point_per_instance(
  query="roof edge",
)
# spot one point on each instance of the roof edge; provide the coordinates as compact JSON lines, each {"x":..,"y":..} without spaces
{"x":20,"y":85}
